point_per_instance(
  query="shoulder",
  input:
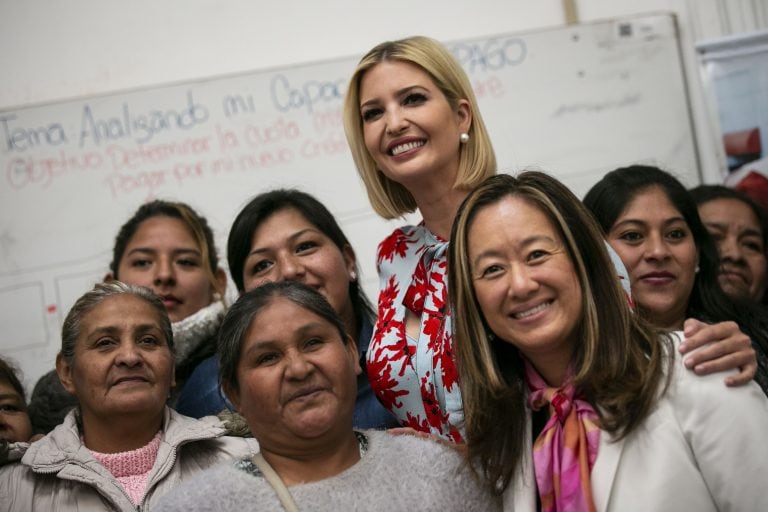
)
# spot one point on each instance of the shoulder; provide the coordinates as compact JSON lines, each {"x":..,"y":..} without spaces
{"x":17,"y":487}
{"x":401,"y":243}
{"x":423,"y":467}
{"x":58,"y":446}
{"x":220,"y":487}
{"x":696,"y":397}
{"x":419,"y":452}
{"x":722,"y":430}
{"x":12,"y":452}
{"x":208,"y":431}
{"x":621,"y":271}
{"x":13,"y":472}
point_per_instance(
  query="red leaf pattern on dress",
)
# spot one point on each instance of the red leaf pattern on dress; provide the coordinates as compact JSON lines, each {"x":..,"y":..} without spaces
{"x":395,"y":244}
{"x":448,"y":363}
{"x":383,"y":384}
{"x":416,"y":423}
{"x":435,"y":415}
{"x":413,"y":258}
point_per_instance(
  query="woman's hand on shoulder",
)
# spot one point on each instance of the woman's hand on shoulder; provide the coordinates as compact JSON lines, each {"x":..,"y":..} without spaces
{"x":408,"y":431}
{"x":720,"y":347}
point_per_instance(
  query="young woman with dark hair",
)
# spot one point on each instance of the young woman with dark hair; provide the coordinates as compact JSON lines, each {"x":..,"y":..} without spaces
{"x":652,"y":222}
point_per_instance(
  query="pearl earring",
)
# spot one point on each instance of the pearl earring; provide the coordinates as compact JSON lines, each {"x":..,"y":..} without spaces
{"x":464,"y":137}
{"x":353,"y":276}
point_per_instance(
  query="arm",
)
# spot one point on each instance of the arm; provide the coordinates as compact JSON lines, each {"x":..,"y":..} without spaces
{"x":725,"y":429}
{"x":727,"y":348}
{"x":408,"y":431}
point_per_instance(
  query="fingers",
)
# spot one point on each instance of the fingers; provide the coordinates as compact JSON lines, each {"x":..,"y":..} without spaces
{"x":745,"y":375}
{"x":408,"y":431}
{"x":744,"y":361}
{"x":699,"y":334}
{"x":405,"y":431}
{"x":706,"y":361}
{"x":691,"y":326}
{"x":719,"y":347}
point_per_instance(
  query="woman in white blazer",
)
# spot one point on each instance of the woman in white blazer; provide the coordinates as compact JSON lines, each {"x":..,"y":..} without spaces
{"x":571,"y":401}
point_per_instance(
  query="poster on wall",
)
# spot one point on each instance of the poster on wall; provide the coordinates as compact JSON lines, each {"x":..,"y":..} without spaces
{"x":735,"y":75}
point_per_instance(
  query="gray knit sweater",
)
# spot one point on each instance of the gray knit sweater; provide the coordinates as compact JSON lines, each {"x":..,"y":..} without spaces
{"x":397,"y":473}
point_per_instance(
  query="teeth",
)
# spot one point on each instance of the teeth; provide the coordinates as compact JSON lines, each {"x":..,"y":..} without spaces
{"x":402,"y":148}
{"x":532,"y":311}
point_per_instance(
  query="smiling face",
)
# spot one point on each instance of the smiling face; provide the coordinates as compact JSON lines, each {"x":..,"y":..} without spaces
{"x":14,"y":419}
{"x":410,"y":129}
{"x":296,"y":376}
{"x":163,"y":256}
{"x":122,"y":363}
{"x":739,"y":237}
{"x":287,"y":247}
{"x":656,"y":245}
{"x":525,"y":282}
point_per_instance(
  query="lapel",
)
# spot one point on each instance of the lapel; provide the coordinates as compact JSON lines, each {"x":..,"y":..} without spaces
{"x":604,"y":470}
{"x":520,"y":496}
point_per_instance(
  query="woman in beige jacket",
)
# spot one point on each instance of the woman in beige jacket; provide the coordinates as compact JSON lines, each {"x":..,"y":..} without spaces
{"x":122,"y":449}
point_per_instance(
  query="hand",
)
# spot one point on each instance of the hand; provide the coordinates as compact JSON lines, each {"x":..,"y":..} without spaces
{"x":723,"y":347}
{"x":408,"y":431}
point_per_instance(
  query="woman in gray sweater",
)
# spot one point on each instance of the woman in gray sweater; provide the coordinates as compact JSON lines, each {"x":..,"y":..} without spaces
{"x":289,"y":367}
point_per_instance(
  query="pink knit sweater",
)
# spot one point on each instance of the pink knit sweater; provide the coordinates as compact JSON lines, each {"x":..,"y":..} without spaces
{"x":131,"y":468}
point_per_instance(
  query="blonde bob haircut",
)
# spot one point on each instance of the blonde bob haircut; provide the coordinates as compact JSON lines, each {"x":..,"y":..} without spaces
{"x":618,"y":361}
{"x":477,"y":160}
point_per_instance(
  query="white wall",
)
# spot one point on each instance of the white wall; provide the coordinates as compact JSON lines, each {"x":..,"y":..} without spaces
{"x":53,"y":49}
{"x":80,"y":47}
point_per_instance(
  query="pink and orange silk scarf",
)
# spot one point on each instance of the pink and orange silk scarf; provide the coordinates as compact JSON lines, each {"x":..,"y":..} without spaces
{"x":566,"y":449}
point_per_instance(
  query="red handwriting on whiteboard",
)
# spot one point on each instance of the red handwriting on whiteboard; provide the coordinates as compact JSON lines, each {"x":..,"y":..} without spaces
{"x":145,"y":182}
{"x":331,"y":145}
{"x":141,"y":156}
{"x":490,"y":87}
{"x":22,"y":172}
{"x":328,"y":120}
{"x":276,"y":132}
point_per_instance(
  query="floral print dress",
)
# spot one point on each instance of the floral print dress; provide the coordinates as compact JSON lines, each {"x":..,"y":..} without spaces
{"x":416,"y":379}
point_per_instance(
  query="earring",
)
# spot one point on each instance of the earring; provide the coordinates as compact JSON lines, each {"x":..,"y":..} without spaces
{"x":696,"y":270}
{"x":464,"y":137}
{"x":353,"y":276}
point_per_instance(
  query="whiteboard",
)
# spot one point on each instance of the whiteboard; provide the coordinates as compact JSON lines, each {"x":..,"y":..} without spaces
{"x":574,"y":101}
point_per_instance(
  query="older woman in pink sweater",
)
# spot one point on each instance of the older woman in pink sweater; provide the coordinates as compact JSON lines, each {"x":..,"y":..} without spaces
{"x":122,"y":448}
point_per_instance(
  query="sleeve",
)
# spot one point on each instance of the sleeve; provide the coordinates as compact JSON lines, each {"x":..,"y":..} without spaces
{"x":725,"y":428}
{"x":621,"y":272}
